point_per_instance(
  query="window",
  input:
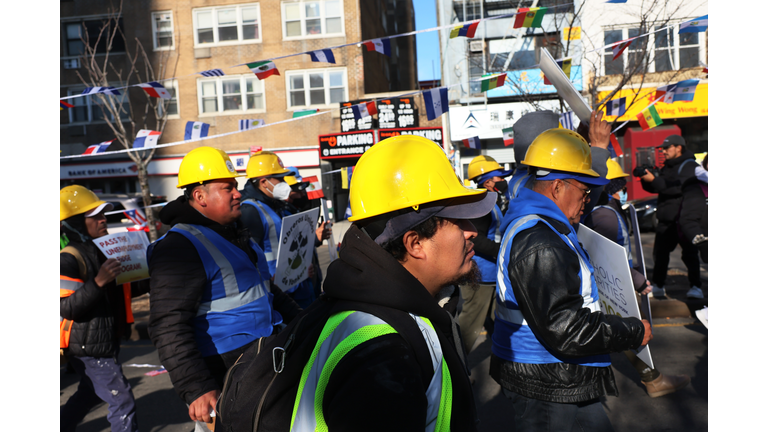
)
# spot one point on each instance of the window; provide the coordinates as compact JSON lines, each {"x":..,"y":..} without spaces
{"x":87,"y":108}
{"x":666,"y":50}
{"x":230,"y":94}
{"x":76,"y":32}
{"x":316,"y":87}
{"x":312,"y":18}
{"x":162,"y":30}
{"x":172,"y":104}
{"x":227,"y":25}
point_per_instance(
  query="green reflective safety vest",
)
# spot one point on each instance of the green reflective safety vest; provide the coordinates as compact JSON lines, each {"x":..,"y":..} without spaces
{"x":344,"y":331}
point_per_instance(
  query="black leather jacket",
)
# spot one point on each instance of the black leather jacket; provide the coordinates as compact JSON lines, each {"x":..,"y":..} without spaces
{"x":544,"y":273}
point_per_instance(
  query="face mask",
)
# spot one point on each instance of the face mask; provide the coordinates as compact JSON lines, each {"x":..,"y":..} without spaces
{"x":501,"y":186}
{"x":622,"y":197}
{"x":281,"y":191}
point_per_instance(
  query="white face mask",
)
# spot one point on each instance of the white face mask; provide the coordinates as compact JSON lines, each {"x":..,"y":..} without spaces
{"x":281,"y":191}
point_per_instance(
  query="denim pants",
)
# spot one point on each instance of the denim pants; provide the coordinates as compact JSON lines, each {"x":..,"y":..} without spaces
{"x":541,"y":416}
{"x":101,"y":379}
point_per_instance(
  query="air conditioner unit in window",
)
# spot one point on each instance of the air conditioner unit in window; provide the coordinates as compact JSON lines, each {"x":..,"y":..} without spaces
{"x":72,"y":63}
{"x":476,"y":46}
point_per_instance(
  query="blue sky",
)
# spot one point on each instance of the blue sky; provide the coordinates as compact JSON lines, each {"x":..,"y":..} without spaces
{"x":427,"y":44}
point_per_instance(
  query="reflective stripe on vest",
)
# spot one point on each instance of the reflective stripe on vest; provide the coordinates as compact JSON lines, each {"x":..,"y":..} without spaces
{"x":273,"y":223}
{"x":67,"y":287}
{"x":623,"y":239}
{"x":236,"y":305}
{"x":487,"y":267}
{"x":343,"y":332}
{"x":518,"y":184}
{"x":515,"y":340}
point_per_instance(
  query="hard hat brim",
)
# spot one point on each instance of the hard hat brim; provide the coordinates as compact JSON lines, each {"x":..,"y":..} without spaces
{"x":562,"y":175}
{"x":103,"y":206}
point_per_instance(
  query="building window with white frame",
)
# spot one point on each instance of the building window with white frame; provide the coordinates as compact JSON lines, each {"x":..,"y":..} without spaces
{"x":227,"y":25}
{"x":316,"y":87}
{"x":171,"y":105}
{"x":317,"y":18}
{"x":87,"y":109}
{"x":162,"y":30}
{"x":230,"y":94}
{"x":666,"y":50}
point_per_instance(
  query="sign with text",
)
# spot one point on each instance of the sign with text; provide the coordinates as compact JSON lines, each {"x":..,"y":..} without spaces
{"x":130,"y":249}
{"x":698,"y":107}
{"x":434,"y":133}
{"x":294,"y":252}
{"x":348,"y":121}
{"x":614,"y":280}
{"x":639,"y":261}
{"x":487,"y":121}
{"x":398,"y":112}
{"x":345,"y":145}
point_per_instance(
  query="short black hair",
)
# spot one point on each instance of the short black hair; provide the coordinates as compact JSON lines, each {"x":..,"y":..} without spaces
{"x":425,"y":230}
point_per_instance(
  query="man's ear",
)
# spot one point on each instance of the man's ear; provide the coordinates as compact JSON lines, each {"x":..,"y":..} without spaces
{"x":414,"y":246}
{"x":199,"y":196}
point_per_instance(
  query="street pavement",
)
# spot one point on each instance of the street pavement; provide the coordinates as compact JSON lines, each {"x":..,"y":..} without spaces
{"x":679,"y":347}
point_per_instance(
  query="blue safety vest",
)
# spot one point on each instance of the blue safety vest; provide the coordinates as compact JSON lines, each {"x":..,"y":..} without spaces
{"x":518,"y":181}
{"x":488,"y":268}
{"x":623,"y":235}
{"x":273,"y":223}
{"x":236,"y":305}
{"x":513,"y":339}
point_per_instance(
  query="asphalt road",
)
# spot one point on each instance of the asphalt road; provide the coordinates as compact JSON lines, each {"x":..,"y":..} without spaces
{"x":679,"y":347}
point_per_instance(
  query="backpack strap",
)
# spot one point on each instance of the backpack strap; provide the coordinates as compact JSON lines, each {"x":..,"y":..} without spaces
{"x":685,"y":162}
{"x":79,"y":257}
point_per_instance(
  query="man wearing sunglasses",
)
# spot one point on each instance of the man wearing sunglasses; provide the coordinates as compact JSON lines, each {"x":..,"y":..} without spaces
{"x":551,"y":342}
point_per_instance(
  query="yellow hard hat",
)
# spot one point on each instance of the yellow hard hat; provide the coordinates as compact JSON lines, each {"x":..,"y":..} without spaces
{"x":263,"y":164}
{"x":76,"y":199}
{"x":291,"y":180}
{"x":401,"y":172}
{"x":204,"y":164}
{"x":561,"y":150}
{"x":614,"y":170}
{"x":481,"y":165}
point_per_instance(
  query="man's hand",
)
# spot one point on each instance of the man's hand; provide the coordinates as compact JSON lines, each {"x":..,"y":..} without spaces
{"x":647,"y":177}
{"x":599,"y":130}
{"x":200,"y":409}
{"x":647,"y":336}
{"x":647,"y":288}
{"x":108,"y":272}
{"x":323,"y":232}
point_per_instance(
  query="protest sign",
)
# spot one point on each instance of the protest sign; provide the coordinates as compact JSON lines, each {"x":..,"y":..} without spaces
{"x":563,"y":86}
{"x":638,"y":261}
{"x":294,"y":252}
{"x":331,"y":243}
{"x":614,"y":280}
{"x":130,"y":249}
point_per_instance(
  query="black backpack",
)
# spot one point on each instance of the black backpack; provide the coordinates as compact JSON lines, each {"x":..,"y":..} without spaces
{"x":260,"y":388}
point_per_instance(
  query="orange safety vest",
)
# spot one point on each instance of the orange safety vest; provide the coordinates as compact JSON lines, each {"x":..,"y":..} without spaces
{"x":67,"y":287}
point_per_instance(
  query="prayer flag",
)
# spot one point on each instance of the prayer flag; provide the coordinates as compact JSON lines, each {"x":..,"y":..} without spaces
{"x":620,"y":47}
{"x":467,"y":30}
{"x":263,"y":69}
{"x":212,"y":73}
{"x":529,"y":17}
{"x":696,"y":25}
{"x":107,"y":90}
{"x":63,"y":105}
{"x":616,"y":107}
{"x":251,"y":124}
{"x":378,"y":45}
{"x":473,"y":143}
{"x":323,"y":55}
{"x":314,"y":190}
{"x":566,"y":120}
{"x":649,"y":118}
{"x":146,"y":138}
{"x":98,"y":148}
{"x":565,"y":65}
{"x":508,"y":136}
{"x":155,"y":89}
{"x":195,"y":130}
{"x":685,"y":90}
{"x":364,"y":110}
{"x":492,"y":82}
{"x":435,"y":101}
{"x":297,"y":114}
{"x":666,"y":93}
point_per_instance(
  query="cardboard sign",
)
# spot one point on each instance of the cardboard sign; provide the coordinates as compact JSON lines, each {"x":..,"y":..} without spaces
{"x":563,"y":85}
{"x":294,"y":252}
{"x":130,"y":249}
{"x":614,"y":280}
{"x":639,"y":261}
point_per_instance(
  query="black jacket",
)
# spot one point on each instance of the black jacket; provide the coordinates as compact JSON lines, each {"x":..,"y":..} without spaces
{"x":484,"y":246}
{"x":379,"y":385}
{"x":669,"y":185}
{"x":98,"y":313}
{"x":178,"y":280}
{"x":551,"y":304}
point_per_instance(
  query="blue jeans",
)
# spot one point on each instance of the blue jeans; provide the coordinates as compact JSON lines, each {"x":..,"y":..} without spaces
{"x":101,"y":379}
{"x":541,"y":416}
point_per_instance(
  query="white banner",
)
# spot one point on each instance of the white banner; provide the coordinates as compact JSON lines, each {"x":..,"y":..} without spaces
{"x":614,"y":280}
{"x":563,"y":85}
{"x":639,"y":260}
{"x":130,"y":249}
{"x":297,"y":243}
